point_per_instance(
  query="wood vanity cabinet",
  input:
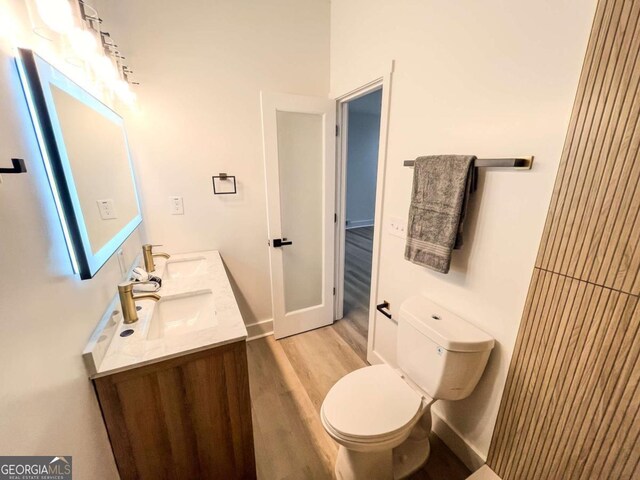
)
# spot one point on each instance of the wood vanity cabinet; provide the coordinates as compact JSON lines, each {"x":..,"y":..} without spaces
{"x":188,"y":417}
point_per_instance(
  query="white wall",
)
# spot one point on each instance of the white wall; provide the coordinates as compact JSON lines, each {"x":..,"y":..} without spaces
{"x":362,"y":164}
{"x":495,"y":79}
{"x":47,"y":403}
{"x":202,"y":66}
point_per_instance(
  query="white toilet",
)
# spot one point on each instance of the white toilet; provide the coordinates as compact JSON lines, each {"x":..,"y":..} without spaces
{"x":380,"y":416}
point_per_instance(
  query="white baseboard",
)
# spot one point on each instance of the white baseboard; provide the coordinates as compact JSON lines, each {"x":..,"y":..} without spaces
{"x":359,"y":223}
{"x":458,"y":445}
{"x":259,"y":329}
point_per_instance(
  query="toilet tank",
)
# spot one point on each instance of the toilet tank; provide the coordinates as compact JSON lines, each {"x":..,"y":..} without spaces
{"x":439,"y":351}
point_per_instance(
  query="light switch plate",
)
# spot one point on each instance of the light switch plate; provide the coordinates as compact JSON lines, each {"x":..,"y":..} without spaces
{"x":176,"y":206}
{"x":107,"y":209}
{"x":397,"y":226}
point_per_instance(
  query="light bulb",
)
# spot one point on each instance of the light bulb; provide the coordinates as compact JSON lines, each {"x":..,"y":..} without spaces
{"x":56,"y":14}
{"x":8,"y":26}
{"x":103,"y":68}
{"x":82,"y":42}
{"x":121,"y":88}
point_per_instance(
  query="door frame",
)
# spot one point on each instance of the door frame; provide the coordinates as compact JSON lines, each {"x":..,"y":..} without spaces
{"x":376,"y":82}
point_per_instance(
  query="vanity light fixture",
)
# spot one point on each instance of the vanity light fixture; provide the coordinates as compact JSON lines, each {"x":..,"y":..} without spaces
{"x":104,"y":68}
{"x":90,"y":15}
{"x":83,"y":42}
{"x":53,"y":19}
{"x":121,"y":88}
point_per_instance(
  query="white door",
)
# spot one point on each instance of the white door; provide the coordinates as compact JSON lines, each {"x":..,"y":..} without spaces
{"x":299,"y":157}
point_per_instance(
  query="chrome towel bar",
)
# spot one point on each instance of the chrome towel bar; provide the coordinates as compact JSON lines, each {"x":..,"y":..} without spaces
{"x":519,"y":163}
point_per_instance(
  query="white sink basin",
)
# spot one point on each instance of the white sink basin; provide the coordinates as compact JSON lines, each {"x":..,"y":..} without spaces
{"x":185,"y":267}
{"x":175,"y":316}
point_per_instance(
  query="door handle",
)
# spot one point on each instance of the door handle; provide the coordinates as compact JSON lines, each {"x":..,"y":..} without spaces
{"x":281,"y":242}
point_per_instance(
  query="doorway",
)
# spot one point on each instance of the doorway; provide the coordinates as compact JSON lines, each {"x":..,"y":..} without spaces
{"x":360,"y":139}
{"x":307,"y":210}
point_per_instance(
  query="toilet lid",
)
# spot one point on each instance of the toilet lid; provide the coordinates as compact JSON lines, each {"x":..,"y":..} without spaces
{"x":371,"y":401}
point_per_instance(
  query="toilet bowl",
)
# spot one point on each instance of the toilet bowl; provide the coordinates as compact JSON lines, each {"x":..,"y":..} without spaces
{"x":380,"y":421}
{"x":380,"y":417}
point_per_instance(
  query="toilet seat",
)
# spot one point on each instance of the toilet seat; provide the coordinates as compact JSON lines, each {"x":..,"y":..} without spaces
{"x":371,"y":405}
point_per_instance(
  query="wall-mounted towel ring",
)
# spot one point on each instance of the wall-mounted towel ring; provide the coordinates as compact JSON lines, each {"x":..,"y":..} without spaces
{"x":18,"y":167}
{"x":224,"y":177}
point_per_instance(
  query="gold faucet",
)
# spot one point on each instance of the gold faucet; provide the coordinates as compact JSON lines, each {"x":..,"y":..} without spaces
{"x":128,"y":301}
{"x":147,"y":254}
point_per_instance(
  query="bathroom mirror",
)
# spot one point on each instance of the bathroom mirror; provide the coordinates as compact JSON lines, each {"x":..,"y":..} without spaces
{"x":86,"y":156}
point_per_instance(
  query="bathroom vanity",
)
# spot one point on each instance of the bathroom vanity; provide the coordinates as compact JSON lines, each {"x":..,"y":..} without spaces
{"x":173,"y":386}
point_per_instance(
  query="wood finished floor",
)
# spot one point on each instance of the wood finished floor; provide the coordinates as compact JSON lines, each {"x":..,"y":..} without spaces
{"x":353,"y":327}
{"x":289,"y":378}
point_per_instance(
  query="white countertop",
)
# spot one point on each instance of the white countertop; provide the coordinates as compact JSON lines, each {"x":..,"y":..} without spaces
{"x":107,"y":352}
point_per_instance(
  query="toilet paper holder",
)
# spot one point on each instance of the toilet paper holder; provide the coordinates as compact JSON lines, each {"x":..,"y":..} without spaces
{"x":381,"y":308}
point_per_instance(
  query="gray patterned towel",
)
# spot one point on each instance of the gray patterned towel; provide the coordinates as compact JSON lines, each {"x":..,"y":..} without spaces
{"x":441,"y":188}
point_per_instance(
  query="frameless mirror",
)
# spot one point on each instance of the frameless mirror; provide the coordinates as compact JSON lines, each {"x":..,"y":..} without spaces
{"x":86,"y":155}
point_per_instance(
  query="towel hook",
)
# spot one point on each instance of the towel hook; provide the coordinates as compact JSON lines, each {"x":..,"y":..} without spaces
{"x":18,"y":166}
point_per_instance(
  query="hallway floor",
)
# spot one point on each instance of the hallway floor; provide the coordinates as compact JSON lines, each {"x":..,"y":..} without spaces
{"x":354,"y":325}
{"x":289,"y":379}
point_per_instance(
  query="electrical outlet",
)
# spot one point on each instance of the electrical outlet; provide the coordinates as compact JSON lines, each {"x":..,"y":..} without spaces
{"x":398,"y":227}
{"x":176,"y":206}
{"x":107,"y":209}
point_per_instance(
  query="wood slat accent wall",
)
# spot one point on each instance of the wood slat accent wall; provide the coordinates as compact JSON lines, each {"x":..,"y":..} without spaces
{"x":571,"y":404}
{"x":592,"y":230}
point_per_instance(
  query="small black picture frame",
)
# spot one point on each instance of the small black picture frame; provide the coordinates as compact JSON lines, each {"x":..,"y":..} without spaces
{"x":224,"y":177}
